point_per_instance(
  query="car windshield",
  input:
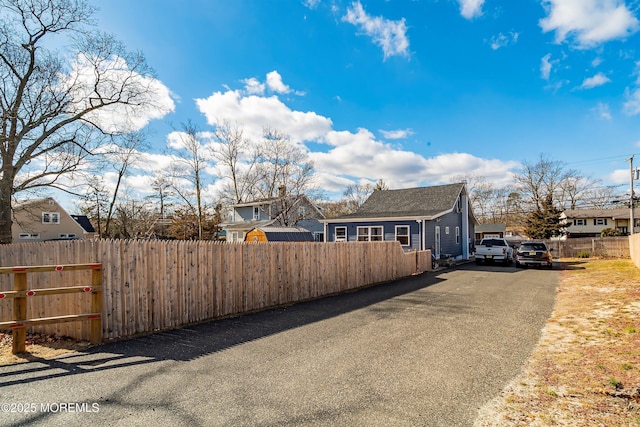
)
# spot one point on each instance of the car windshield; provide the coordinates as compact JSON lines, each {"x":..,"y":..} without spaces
{"x":533,"y":247}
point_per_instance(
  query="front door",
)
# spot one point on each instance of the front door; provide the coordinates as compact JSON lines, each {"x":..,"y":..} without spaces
{"x":437,"y":238}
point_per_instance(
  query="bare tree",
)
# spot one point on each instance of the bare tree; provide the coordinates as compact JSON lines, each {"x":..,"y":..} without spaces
{"x":237,"y":157}
{"x":188,"y":172}
{"x":48,"y":106}
{"x":281,"y":164}
{"x":537,"y":180}
{"x":574,"y":189}
{"x":122,"y":155}
{"x":356,"y":194}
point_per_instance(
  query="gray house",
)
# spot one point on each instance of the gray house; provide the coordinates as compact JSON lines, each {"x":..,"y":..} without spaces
{"x":437,"y":218}
{"x":284,"y":211}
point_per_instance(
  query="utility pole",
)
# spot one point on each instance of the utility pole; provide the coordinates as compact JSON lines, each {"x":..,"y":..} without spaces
{"x":631,"y":220}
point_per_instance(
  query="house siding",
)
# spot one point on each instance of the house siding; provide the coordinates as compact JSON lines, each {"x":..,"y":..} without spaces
{"x":28,"y":219}
{"x":388,"y":231}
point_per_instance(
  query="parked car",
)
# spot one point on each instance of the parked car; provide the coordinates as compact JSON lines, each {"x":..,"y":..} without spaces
{"x":494,"y":250}
{"x":534,"y":253}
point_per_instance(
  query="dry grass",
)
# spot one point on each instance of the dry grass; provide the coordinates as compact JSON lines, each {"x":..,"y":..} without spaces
{"x":38,"y":346}
{"x":586,"y":368}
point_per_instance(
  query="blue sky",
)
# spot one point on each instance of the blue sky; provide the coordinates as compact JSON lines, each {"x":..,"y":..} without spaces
{"x":410,"y":91}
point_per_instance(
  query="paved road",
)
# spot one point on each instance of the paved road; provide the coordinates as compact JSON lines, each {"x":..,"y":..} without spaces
{"x":425,"y":351}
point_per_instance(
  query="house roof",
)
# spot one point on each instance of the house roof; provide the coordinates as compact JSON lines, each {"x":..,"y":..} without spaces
{"x":247,"y":225}
{"x":286,"y":234}
{"x":84,"y":222}
{"x":617,"y":213}
{"x":409,"y":202}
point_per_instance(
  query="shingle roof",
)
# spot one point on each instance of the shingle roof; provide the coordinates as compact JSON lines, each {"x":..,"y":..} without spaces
{"x":286,"y":234}
{"x":410,"y":202}
{"x":84,"y":222}
{"x":617,"y":213}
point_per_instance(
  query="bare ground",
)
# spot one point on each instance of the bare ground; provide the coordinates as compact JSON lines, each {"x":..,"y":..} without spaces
{"x":38,"y":346}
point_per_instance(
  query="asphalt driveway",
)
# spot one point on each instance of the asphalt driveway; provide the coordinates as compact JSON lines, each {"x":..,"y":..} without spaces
{"x":424,"y":351}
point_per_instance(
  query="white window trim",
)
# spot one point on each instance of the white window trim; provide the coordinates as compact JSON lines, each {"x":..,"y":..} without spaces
{"x":446,"y":230}
{"x":67,"y":236}
{"x":335,"y":236}
{"x":408,"y":235}
{"x":26,"y":236}
{"x":256,"y":213}
{"x":600,"y":221}
{"x":51,"y":215}
{"x":368,"y":236}
{"x":457,"y":235}
{"x":581,"y":222}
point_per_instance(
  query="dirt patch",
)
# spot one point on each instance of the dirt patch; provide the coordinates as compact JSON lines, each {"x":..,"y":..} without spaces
{"x":38,"y":346}
{"x":586,"y":368}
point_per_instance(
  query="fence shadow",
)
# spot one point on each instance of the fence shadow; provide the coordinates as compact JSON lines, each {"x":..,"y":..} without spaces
{"x":201,"y":339}
{"x":568,"y":265}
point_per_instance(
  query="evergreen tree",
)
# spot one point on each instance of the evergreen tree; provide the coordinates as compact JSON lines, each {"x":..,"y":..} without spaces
{"x":544,"y":222}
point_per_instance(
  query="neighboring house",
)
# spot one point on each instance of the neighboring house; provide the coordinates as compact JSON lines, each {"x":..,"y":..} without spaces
{"x":437,"y":218}
{"x":591,"y":222}
{"x":279,"y":234}
{"x":39,"y":220}
{"x":284,"y":211}
{"x":490,"y":230}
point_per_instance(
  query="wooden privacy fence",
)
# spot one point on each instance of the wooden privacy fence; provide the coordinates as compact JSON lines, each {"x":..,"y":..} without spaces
{"x":21,"y":295}
{"x":155,"y":285}
{"x":608,"y":247}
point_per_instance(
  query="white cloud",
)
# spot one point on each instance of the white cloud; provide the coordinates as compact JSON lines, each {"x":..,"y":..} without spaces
{"x":595,"y":81}
{"x":253,"y":86}
{"x":602,"y":111}
{"x":503,"y":40}
{"x":274,"y":82}
{"x":396,"y":134}
{"x":588,"y":22}
{"x":255,"y":112}
{"x":471,"y":8}
{"x":347,"y":157}
{"x":356,"y":155}
{"x":311,"y":4}
{"x":619,"y":176}
{"x":151,"y":99}
{"x":389,"y":35}
{"x":545,"y":66}
{"x":632,"y":103}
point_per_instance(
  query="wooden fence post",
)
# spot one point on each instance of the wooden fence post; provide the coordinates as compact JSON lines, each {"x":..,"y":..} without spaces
{"x":19,"y":312}
{"x":96,"y":304}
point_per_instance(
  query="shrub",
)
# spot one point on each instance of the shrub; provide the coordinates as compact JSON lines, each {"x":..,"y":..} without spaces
{"x":583,"y":254}
{"x":610,"y":232}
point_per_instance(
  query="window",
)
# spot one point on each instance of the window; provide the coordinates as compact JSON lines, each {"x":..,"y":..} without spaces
{"x":67,"y":236}
{"x":600,"y":221}
{"x":234,"y":236}
{"x":457,"y":235}
{"x":402,"y":234}
{"x":50,"y":217}
{"x":370,"y":234}
{"x":579,"y":222}
{"x":256,"y":213}
{"x":318,"y":236}
{"x":29,"y":236}
{"x":446,"y":230}
{"x":341,"y":234}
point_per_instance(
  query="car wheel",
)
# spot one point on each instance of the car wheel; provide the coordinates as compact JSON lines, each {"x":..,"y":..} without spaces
{"x":518,"y":265}
{"x":478,"y":261}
